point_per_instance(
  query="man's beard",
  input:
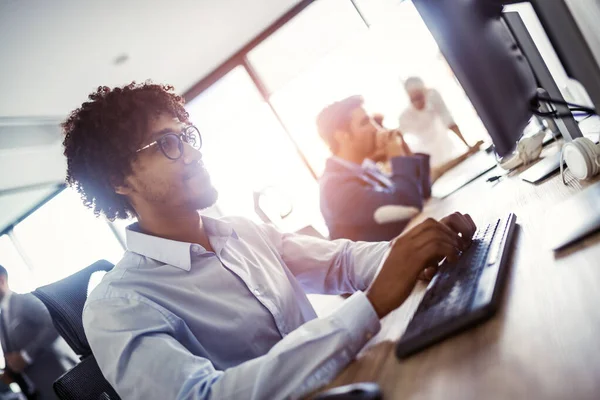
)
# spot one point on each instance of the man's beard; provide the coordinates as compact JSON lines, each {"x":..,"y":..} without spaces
{"x":206,"y":199}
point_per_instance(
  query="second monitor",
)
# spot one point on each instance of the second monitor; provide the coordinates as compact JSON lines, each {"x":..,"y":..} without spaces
{"x":488,"y":63}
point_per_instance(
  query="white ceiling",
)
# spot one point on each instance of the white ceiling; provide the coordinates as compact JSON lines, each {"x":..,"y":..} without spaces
{"x":54,"y":53}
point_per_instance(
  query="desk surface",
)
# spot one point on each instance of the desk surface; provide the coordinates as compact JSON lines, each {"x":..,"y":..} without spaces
{"x":545,"y":340}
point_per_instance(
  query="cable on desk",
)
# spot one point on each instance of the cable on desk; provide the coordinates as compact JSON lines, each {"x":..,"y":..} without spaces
{"x":550,"y":100}
{"x":555,"y":114}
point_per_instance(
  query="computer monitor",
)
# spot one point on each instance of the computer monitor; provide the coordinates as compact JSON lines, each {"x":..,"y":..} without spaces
{"x":574,"y":30}
{"x":567,"y":125}
{"x":488,"y":63}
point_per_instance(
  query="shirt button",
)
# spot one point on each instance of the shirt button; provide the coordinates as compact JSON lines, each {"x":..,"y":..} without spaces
{"x":257,"y":292}
{"x":195,"y":248}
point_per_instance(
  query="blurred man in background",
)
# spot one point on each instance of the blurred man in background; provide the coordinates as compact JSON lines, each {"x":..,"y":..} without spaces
{"x":426,"y":122}
{"x":35,"y":356}
{"x":358,"y":201}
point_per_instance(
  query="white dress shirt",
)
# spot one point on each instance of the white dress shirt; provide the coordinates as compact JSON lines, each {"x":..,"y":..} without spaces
{"x":174,"y":321}
{"x":426,"y":130}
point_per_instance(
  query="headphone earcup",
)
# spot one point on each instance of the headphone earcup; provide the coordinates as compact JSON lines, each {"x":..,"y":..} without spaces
{"x":597,"y":158}
{"x":581,"y":156}
{"x":594,"y":150}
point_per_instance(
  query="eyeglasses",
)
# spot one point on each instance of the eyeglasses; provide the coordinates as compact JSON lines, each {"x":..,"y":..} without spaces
{"x":171,"y":144}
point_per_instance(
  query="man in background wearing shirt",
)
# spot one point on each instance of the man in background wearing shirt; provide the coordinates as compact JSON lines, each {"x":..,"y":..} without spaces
{"x":35,"y":355}
{"x":359,"y":201}
{"x":427,"y":123}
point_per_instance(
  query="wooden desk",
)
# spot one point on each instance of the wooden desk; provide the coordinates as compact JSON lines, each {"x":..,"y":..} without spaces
{"x":544,"y":343}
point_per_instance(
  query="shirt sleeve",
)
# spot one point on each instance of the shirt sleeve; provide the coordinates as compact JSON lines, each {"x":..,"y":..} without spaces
{"x":329,"y":267}
{"x":440,"y":108}
{"x":134,"y":342}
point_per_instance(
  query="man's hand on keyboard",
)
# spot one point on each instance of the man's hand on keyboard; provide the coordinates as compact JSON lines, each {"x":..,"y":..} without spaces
{"x":457,"y":224}
{"x":462,"y":224}
{"x":416,"y":250}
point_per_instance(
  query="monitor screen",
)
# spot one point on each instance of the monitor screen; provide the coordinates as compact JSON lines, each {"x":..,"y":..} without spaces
{"x":487,"y":62}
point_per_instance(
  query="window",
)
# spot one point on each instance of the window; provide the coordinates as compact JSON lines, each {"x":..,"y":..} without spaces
{"x":306,"y":38}
{"x":63,"y":236}
{"x":246,"y":150}
{"x":369,"y":62}
{"x":20,"y":278}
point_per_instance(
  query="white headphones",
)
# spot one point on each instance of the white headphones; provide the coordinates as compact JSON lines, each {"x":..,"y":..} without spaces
{"x":582,"y":157}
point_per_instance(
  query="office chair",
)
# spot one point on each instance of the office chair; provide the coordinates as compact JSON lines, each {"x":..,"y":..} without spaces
{"x":65,"y":300}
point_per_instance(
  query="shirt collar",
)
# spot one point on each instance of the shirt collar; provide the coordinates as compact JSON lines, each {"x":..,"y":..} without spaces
{"x":347,"y":164}
{"x":367,"y":164}
{"x":370,"y":164}
{"x":173,"y":252}
{"x":5,"y":300}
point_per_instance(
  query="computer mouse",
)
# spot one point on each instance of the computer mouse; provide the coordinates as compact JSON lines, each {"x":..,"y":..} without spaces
{"x":354,"y":391}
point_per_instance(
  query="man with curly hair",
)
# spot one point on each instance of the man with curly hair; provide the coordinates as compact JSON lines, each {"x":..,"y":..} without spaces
{"x":216,"y":308}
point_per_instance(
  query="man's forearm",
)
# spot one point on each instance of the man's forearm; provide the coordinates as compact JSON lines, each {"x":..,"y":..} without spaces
{"x":307,"y":358}
{"x":454,"y":128}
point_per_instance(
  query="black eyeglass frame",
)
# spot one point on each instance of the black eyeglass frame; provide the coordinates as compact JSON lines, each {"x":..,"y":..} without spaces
{"x":185,"y":136}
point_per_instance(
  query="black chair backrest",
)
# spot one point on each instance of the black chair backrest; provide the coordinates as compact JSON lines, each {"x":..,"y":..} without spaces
{"x":65,"y":300}
{"x":84,"y":382}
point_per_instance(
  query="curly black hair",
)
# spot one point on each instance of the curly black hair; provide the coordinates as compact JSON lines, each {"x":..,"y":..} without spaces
{"x":102,"y":136}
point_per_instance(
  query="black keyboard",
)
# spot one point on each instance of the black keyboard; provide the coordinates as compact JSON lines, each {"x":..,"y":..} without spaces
{"x":462,"y":293}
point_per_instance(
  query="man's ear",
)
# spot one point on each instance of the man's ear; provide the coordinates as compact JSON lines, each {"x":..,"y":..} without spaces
{"x":341,"y":136}
{"x":122,"y":188}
